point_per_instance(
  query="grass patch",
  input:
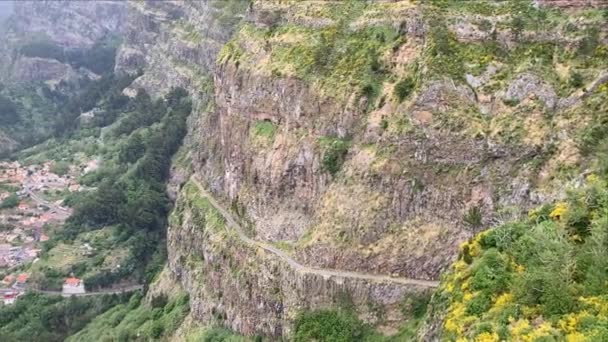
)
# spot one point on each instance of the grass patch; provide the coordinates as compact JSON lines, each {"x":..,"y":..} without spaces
{"x":334,"y":153}
{"x":204,"y":213}
{"x":263,"y":131}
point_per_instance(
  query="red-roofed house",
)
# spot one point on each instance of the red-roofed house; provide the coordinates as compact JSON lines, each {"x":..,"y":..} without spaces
{"x":72,"y":286}
{"x":21,"y":280}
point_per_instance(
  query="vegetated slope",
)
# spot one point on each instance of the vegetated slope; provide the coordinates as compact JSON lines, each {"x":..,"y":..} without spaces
{"x":539,"y":278}
{"x":127,"y":210}
{"x":540,"y":275}
{"x":154,"y":317}
{"x":376,"y":137}
{"x":43,"y":318}
{"x":50,"y":52}
{"x":122,"y":216}
{"x":59,"y":41}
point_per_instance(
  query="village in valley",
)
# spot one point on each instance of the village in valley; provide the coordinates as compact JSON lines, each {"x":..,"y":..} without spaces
{"x":31,"y":205}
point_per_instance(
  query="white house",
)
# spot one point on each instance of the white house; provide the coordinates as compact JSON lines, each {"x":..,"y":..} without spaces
{"x":72,"y":286}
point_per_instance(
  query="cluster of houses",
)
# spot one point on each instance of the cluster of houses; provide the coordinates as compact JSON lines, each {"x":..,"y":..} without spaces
{"x":41,"y":177}
{"x":14,"y":287}
{"x":15,"y":255}
{"x":23,"y":225}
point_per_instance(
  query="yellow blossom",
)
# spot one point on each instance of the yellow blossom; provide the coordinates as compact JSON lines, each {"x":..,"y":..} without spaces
{"x":450,"y":325}
{"x":520,"y":327}
{"x":503,"y":299}
{"x":487,"y":337}
{"x":474,"y":248}
{"x":593,"y":178}
{"x":576,"y":337}
{"x":568,"y":323}
{"x":460,"y":266}
{"x":543,"y":330}
{"x":559,"y":211}
{"x":576,"y":238}
{"x":599,"y":304}
{"x":530,"y":311}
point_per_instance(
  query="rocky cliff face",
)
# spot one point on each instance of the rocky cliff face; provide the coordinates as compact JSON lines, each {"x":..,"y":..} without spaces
{"x":71,"y":24}
{"x":68,"y":25}
{"x":363,"y":137}
{"x":255,"y":292}
{"x":176,"y":43}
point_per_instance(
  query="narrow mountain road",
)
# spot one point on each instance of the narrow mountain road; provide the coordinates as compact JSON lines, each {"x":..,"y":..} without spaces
{"x":94,"y":293}
{"x":303,"y":269}
{"x":65,"y":212}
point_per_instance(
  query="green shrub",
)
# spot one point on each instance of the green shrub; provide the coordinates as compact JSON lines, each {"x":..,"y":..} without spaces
{"x":215,"y":334}
{"x":589,"y":43}
{"x":60,"y":168}
{"x":445,"y":58}
{"x":511,"y":102}
{"x":416,"y":305}
{"x":157,"y":329}
{"x":485,"y":25}
{"x":473,"y":217}
{"x":335,"y":151}
{"x":10,"y":202}
{"x":576,"y":80}
{"x":159,"y":301}
{"x":384,"y":124}
{"x":264,"y":129}
{"x":369,"y":91}
{"x":517,"y":25}
{"x":490,"y":273}
{"x":466,"y":255}
{"x":404,"y":88}
{"x":479,"y":304}
{"x":328,"y":325}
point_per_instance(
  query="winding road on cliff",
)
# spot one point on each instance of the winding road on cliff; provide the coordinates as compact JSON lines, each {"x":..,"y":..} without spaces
{"x":119,"y":290}
{"x":303,"y":269}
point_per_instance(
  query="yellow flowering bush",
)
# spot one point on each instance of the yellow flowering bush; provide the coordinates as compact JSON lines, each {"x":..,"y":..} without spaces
{"x":560,"y":210}
{"x":540,"y":279}
{"x":487,"y":337}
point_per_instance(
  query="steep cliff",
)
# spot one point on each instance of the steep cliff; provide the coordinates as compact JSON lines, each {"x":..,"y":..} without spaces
{"x":55,"y":26}
{"x":176,"y":43}
{"x":50,"y":50}
{"x":340,"y":152}
{"x":367,"y":137}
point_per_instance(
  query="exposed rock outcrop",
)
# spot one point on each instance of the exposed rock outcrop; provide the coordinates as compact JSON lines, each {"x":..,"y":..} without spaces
{"x":70,"y":25}
{"x":411,"y":178}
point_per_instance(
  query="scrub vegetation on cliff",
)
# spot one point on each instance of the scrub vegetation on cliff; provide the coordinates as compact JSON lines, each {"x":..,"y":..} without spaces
{"x":43,"y":318}
{"x":543,"y":277}
{"x":137,"y":320}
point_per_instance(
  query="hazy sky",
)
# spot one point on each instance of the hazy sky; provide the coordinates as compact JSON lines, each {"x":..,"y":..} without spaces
{"x":6,"y":8}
